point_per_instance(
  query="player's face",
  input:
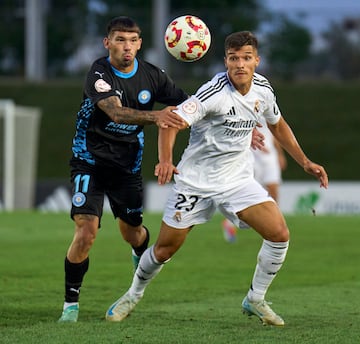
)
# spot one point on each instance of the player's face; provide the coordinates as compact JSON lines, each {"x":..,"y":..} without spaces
{"x":241,"y":65}
{"x":122,"y":47}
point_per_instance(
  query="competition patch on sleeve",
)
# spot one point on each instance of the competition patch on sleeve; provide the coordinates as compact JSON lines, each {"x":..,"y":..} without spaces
{"x":189,"y":107}
{"x":102,"y":86}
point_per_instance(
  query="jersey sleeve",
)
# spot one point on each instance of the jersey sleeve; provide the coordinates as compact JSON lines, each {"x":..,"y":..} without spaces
{"x":98,"y":84}
{"x":168,"y":93}
{"x":191,"y":110}
{"x":272,"y":112}
{"x":204,"y":102}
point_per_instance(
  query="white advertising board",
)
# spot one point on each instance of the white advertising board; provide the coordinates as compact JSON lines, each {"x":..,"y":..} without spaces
{"x":295,"y":198}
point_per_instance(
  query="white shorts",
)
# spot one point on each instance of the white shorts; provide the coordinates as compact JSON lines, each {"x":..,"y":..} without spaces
{"x":267,"y":168}
{"x":185,"y":209}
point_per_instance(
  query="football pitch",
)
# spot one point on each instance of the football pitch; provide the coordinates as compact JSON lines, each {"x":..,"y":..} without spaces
{"x":197,"y":296}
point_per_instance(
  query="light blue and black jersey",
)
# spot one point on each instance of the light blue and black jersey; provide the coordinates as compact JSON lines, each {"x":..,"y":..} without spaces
{"x":100,"y":141}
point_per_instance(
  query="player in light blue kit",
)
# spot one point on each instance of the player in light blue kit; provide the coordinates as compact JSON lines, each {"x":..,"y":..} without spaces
{"x":216,"y":172}
{"x":120,"y":92}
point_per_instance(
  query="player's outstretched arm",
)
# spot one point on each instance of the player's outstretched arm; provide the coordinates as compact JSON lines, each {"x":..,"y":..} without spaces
{"x":120,"y":114}
{"x":283,"y":133}
{"x":317,"y":171}
{"x":167,"y":118}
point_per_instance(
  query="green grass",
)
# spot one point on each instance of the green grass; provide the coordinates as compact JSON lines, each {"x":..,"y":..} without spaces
{"x":197,"y":296}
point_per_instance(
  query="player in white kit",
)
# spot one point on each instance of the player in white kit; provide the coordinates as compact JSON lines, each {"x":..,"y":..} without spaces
{"x":269,"y":163}
{"x":216,"y":172}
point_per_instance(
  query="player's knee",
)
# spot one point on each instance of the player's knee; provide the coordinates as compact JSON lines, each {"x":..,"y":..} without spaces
{"x":85,"y":233}
{"x":133,"y":219}
{"x":282,"y":234}
{"x":163,"y":253}
{"x":85,"y":239}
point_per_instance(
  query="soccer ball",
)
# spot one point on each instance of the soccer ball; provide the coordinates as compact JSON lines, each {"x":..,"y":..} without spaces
{"x":187,"y":38}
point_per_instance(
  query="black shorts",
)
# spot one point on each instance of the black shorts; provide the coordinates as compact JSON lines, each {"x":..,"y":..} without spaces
{"x":91,"y":183}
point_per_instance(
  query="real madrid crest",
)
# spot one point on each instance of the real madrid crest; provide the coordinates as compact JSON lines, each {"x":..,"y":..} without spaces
{"x":177,"y":216}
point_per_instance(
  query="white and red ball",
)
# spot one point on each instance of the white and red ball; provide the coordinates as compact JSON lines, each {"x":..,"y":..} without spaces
{"x":187,"y":38}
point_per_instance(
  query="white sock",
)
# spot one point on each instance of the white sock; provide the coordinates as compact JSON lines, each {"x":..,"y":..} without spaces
{"x":68,"y":304}
{"x":270,"y":259}
{"x":147,"y":269}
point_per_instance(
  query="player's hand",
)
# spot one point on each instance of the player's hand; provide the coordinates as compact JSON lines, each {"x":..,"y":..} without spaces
{"x":164,"y":171}
{"x":319,"y":172}
{"x":257,"y":140}
{"x":167,"y":118}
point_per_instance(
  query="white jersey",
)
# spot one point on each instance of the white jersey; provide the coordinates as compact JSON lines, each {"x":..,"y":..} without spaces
{"x":218,"y":156}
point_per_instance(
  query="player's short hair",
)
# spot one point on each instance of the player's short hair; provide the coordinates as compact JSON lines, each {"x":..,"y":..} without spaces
{"x":236,"y":40}
{"x":123,"y":24}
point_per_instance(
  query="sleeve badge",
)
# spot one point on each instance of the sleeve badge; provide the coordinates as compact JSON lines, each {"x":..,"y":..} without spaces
{"x":102,"y":86}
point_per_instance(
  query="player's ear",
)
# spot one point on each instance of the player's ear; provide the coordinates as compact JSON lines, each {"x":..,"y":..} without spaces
{"x":106,"y":42}
{"x":140,"y":43}
{"x":257,"y":61}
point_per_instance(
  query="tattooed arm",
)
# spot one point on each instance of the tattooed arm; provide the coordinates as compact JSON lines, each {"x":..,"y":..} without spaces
{"x":163,"y":118}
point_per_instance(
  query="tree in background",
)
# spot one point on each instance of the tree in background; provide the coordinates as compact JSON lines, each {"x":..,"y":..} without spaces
{"x":66,"y":26}
{"x":12,"y":41}
{"x":69,"y":23}
{"x":286,"y":47}
{"x":78,"y":26}
{"x":222,"y":18}
{"x":342,"y":52}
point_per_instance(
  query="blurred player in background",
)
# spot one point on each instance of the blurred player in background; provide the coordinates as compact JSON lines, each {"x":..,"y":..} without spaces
{"x":269,"y":162}
{"x":119,"y":94}
{"x":216,"y":172}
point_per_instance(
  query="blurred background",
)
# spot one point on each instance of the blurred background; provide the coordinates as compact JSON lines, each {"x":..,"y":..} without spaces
{"x":310,"y":50}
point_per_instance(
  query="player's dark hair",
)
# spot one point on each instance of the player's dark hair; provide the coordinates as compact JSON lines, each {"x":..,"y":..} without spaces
{"x":237,"y":40}
{"x":124,"y":24}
